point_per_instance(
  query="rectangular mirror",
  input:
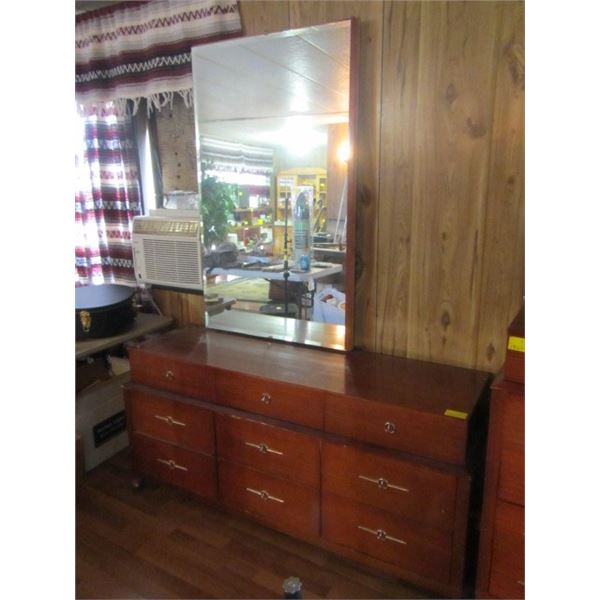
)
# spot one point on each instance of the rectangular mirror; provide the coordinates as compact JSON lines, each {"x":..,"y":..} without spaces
{"x":275,"y":125}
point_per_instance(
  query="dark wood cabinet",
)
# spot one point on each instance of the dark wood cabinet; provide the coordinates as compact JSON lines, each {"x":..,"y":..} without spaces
{"x":501,"y":563}
{"x":369,"y":456}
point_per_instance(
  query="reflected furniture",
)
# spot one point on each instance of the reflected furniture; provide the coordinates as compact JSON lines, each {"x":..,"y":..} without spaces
{"x":369,"y":456}
{"x":282,"y":106}
{"x":501,"y":564}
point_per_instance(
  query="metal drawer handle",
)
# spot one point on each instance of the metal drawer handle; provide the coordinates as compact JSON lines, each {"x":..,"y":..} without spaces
{"x":380,"y":534}
{"x":521,"y":583}
{"x":384,"y":484}
{"x":170,"y":375}
{"x":263,"y":448}
{"x":170,"y":420}
{"x":265,"y":398}
{"x":264,"y":495}
{"x":389,"y":427}
{"x":171,"y":464}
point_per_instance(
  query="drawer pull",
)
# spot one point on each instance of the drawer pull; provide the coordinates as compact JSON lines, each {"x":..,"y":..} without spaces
{"x":263,"y":448}
{"x":170,"y":375}
{"x":521,"y":583}
{"x":380,"y":534}
{"x":389,"y":427}
{"x":265,"y":398}
{"x":170,"y":420}
{"x":264,"y":495}
{"x":384,"y":484}
{"x":171,"y":464}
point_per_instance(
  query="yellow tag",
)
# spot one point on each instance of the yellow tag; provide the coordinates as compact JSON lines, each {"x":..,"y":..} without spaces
{"x":457,"y":414}
{"x":516,"y":343}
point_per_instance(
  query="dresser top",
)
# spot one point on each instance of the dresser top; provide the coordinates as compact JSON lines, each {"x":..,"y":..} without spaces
{"x":414,"y":384}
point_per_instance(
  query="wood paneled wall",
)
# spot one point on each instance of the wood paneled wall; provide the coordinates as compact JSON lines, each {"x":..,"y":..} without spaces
{"x":440,"y":156}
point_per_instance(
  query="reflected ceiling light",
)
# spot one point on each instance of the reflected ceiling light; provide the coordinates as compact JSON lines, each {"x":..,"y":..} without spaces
{"x":297,"y":136}
{"x":343,"y":151}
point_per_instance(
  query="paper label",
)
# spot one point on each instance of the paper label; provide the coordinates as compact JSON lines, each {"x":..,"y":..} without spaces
{"x":457,"y":414}
{"x":516,"y":343}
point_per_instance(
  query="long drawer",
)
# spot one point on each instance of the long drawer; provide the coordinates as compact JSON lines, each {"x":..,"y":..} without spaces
{"x":507,"y":574}
{"x":407,"y":489}
{"x":284,"y":505}
{"x":387,"y":537}
{"x":171,"y":373}
{"x":273,"y":450}
{"x":178,"y":423}
{"x":186,"y":469}
{"x":511,"y":484}
{"x":434,"y":436}
{"x":279,"y":400}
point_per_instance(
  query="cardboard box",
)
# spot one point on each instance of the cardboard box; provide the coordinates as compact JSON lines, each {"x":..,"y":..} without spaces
{"x":100,"y":418}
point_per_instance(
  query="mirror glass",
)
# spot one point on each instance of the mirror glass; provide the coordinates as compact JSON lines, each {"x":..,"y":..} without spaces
{"x":274,"y":140}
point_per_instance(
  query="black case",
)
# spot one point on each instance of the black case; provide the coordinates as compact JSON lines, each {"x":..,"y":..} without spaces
{"x":103,"y":310}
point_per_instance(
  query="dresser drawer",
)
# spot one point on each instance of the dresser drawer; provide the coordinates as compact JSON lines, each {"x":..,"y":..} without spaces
{"x":286,"y":506}
{"x":172,"y":374}
{"x":426,"y":434}
{"x":507,"y":573}
{"x":387,"y":537}
{"x":177,"y":466}
{"x":391,"y":484}
{"x":511,"y":484}
{"x":273,"y":450}
{"x":179,"y":423}
{"x":279,"y":400}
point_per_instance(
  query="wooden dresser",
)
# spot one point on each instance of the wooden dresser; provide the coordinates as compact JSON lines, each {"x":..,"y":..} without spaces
{"x":501,"y":564}
{"x":367,"y":455}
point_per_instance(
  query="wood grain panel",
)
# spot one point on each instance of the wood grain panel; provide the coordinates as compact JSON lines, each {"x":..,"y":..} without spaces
{"x":189,"y":470}
{"x":453,"y":121}
{"x":260,"y":17}
{"x":186,"y":309}
{"x":422,"y":550}
{"x":511,"y":479}
{"x":370,"y":15}
{"x":507,"y":576}
{"x":503,"y":274}
{"x":274,"y":450}
{"x":178,"y":423}
{"x":440,"y":211}
{"x":399,"y":104}
{"x":298,"y":404}
{"x":413,"y":491}
{"x":284,"y":505}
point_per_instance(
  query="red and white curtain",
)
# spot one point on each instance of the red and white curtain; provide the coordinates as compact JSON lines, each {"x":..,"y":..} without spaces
{"x":135,"y":50}
{"x":107,"y":197}
{"x":125,"y":53}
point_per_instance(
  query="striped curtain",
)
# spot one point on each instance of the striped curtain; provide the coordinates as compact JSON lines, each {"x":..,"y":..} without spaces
{"x":107,"y":197}
{"x":135,"y":50}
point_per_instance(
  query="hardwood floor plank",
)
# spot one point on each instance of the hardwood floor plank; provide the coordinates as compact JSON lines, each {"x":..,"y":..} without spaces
{"x":160,"y":542}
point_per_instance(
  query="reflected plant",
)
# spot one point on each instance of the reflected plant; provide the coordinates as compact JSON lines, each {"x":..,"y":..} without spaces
{"x":216,"y":206}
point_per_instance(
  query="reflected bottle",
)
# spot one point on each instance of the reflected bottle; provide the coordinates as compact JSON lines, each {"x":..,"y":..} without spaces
{"x":301,"y":223}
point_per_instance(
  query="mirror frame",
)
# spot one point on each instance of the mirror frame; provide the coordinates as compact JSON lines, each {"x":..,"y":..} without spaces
{"x":351,"y":197}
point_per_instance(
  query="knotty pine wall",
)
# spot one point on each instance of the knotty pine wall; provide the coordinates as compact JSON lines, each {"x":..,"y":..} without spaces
{"x":440,"y":156}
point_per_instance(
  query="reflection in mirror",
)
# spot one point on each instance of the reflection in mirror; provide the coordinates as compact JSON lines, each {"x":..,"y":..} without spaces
{"x":274,"y":152}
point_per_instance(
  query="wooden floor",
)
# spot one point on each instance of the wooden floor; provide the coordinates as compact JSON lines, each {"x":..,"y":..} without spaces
{"x":159,"y":542}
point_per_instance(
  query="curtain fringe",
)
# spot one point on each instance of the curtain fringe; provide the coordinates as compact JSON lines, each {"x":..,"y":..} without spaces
{"x":122,"y":107}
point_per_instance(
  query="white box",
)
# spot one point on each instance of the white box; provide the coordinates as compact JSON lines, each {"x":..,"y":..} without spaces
{"x":100,"y":420}
{"x":329,"y":313}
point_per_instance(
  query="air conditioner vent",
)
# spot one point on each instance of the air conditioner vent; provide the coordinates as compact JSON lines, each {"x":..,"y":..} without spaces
{"x":172,"y":261}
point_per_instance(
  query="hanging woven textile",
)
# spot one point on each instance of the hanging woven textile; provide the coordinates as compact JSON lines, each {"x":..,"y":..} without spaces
{"x":135,"y":50}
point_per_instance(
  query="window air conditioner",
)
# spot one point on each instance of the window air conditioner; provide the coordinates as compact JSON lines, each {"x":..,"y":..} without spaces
{"x":167,"y":250}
